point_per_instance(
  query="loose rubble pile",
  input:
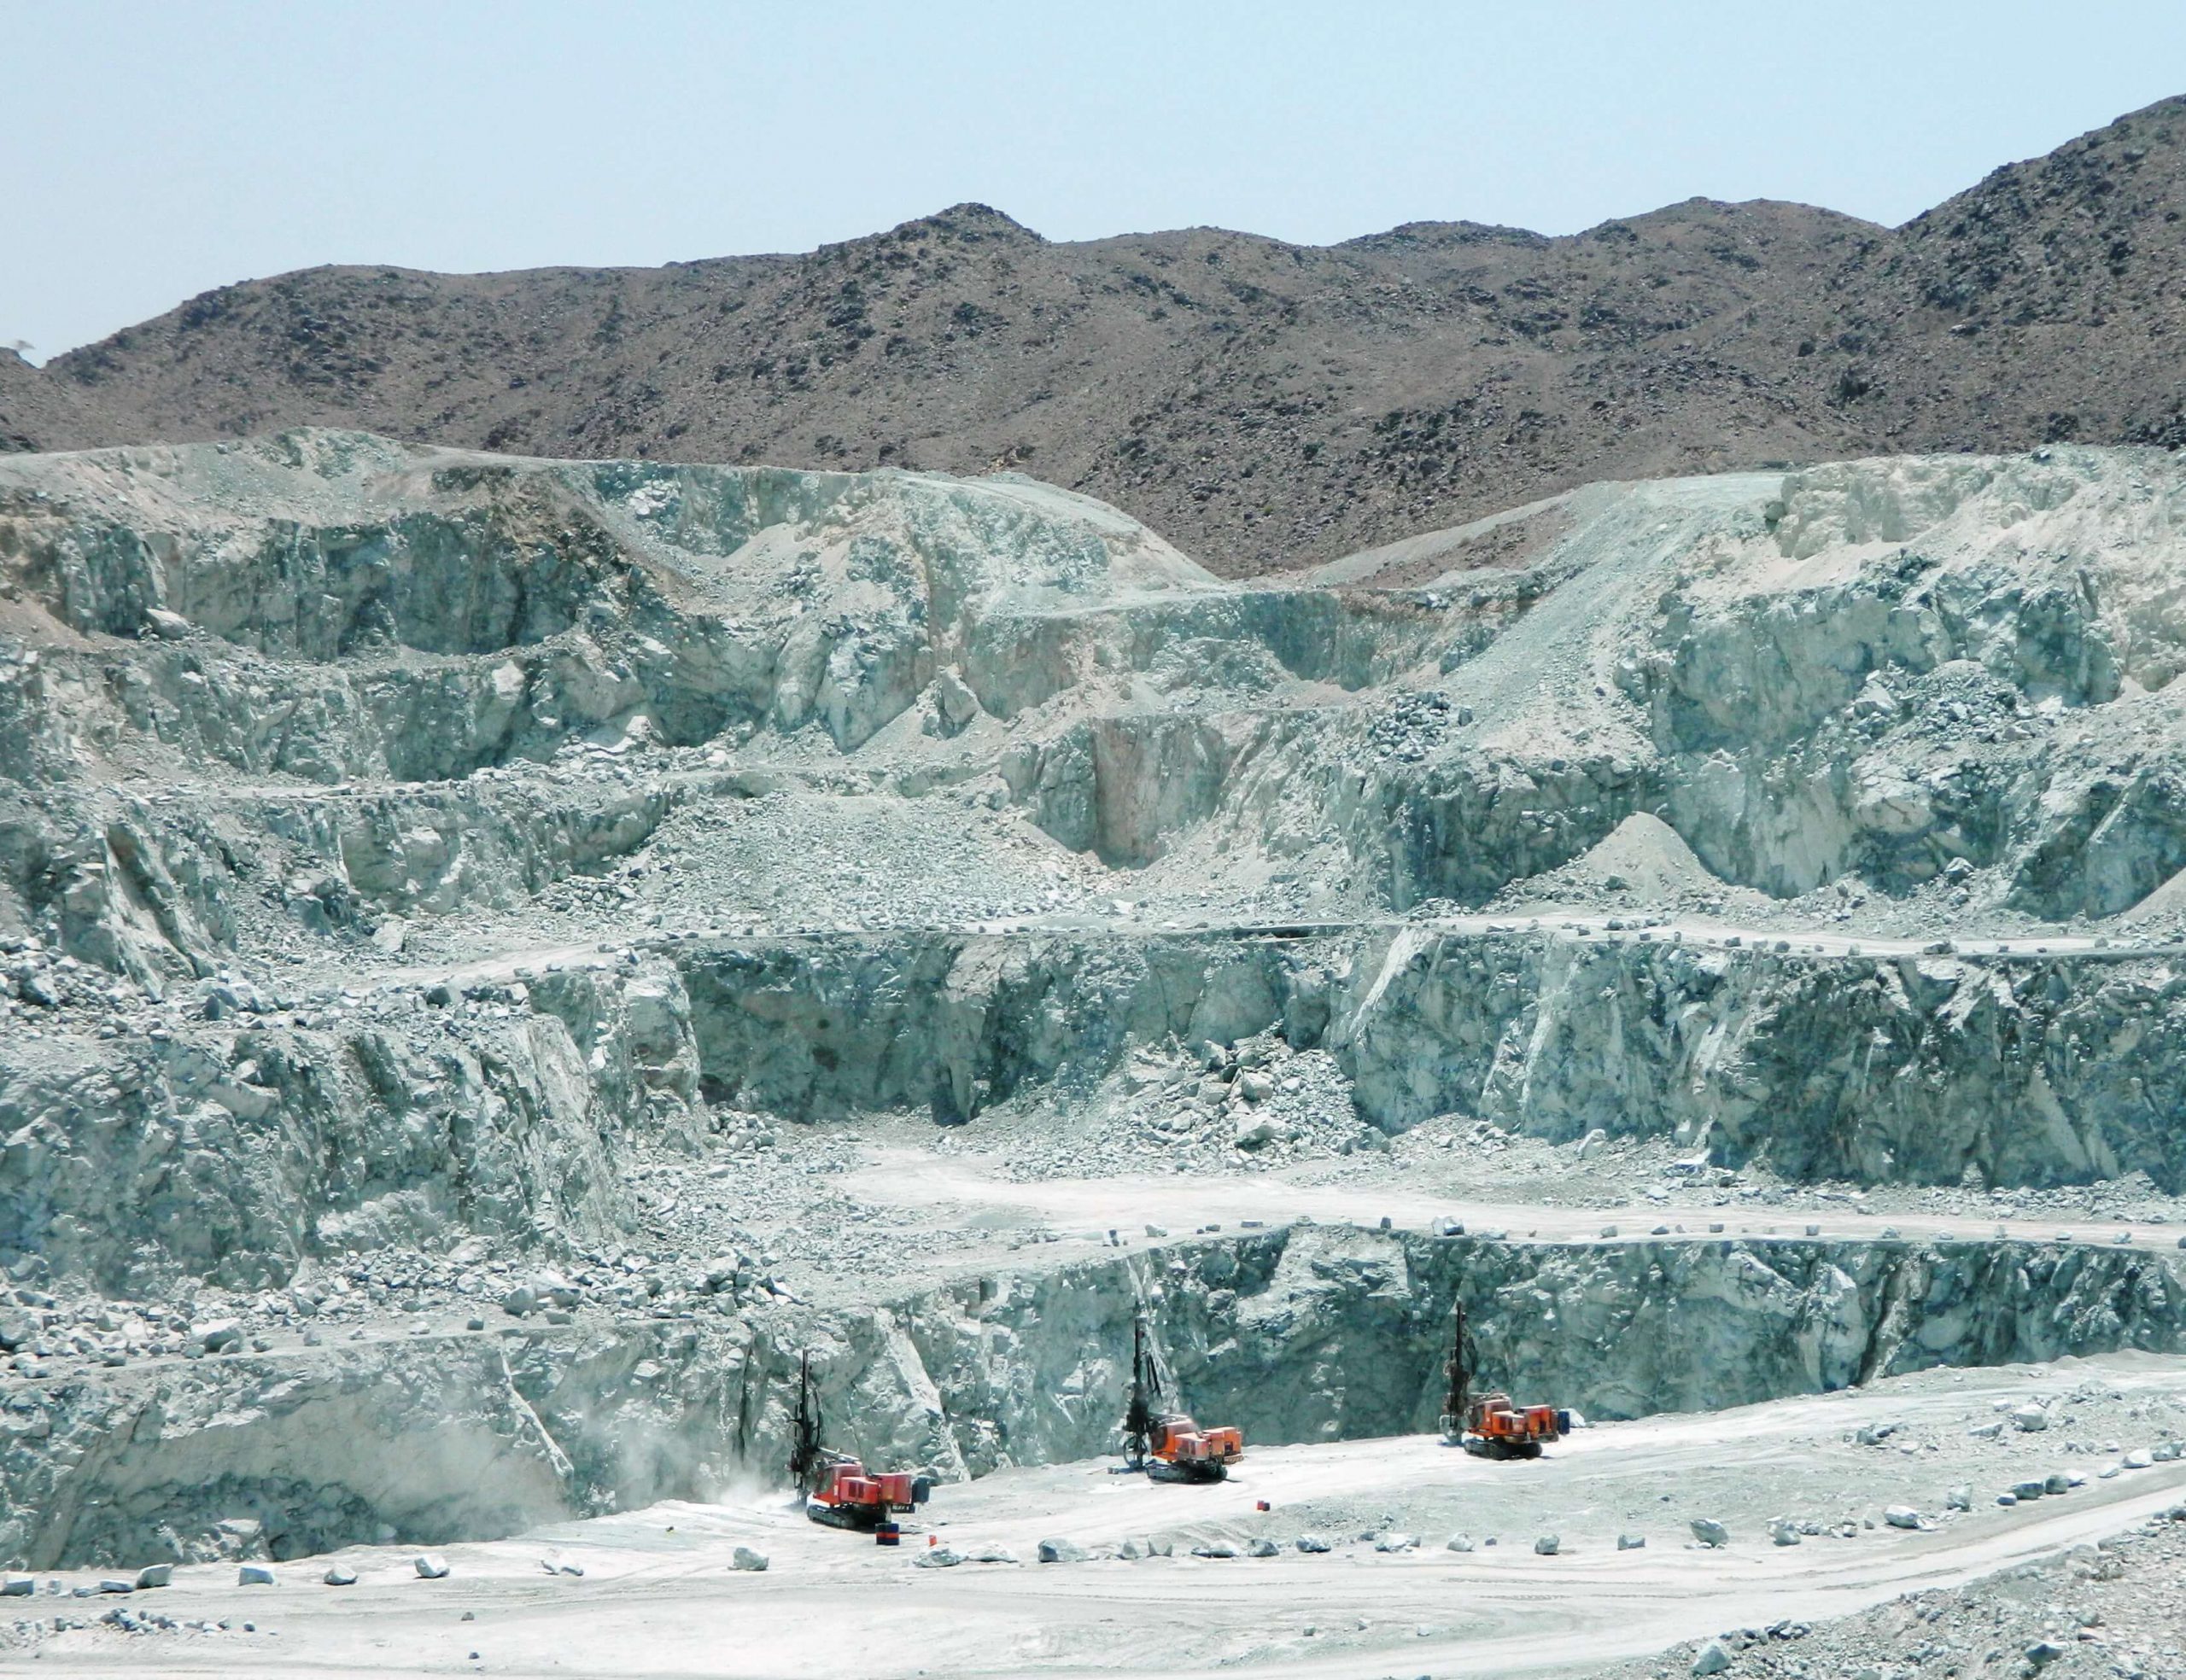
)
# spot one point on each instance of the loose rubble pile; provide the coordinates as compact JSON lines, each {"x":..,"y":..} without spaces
{"x":2111,"y":1608}
{"x":510,"y":954}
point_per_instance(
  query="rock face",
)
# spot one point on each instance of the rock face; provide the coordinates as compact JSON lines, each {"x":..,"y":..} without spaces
{"x":2027,"y":1069}
{"x":438,"y":890}
{"x":400,"y":1128}
{"x":418,"y":614}
{"x":1893,"y":674}
{"x":494,"y":1434}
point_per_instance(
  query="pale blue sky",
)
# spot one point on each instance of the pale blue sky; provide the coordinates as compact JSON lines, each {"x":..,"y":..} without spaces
{"x":150,"y":151}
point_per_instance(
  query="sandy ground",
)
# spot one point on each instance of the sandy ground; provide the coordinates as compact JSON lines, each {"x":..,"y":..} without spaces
{"x":659,"y":1598}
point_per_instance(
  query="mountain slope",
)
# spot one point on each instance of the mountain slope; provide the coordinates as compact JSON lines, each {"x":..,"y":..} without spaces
{"x":1263,"y":405}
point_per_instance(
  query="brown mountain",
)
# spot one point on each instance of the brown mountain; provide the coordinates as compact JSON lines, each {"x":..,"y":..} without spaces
{"x":1263,"y":405}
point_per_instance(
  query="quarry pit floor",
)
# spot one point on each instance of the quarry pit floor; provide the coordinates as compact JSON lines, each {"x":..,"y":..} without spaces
{"x":658,"y":1596}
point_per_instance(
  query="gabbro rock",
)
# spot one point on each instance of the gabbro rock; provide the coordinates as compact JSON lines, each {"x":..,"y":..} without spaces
{"x":1443,"y":1020}
{"x":521,"y":1112}
{"x":462,"y":1442}
{"x":493,"y":573}
{"x":409,"y":684}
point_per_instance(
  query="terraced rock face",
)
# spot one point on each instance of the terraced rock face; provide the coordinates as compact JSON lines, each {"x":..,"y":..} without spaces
{"x":1309,"y":1334}
{"x":419,"y":868}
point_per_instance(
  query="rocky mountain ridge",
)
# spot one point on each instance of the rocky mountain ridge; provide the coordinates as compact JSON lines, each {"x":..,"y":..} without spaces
{"x":1264,"y":406}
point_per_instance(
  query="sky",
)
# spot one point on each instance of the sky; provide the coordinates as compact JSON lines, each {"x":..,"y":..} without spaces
{"x":152,"y":151}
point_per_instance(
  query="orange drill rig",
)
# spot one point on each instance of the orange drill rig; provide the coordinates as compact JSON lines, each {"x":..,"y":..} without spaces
{"x":1169,"y":1446}
{"x":838,"y":1490}
{"x":1490,"y":1425}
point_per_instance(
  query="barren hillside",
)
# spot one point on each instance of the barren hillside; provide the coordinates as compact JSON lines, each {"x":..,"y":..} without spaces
{"x":1264,"y":406}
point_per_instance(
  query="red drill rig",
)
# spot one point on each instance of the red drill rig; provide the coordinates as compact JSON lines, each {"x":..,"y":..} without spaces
{"x":1169,"y":1446}
{"x":838,"y":1490}
{"x":1491,"y":1426}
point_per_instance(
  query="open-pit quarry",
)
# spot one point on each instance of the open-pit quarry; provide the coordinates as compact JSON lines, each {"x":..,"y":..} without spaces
{"x":501,"y":957}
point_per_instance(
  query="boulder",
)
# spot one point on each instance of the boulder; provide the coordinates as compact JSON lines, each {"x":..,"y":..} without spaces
{"x":254,"y":1575}
{"x":1058,"y":1550}
{"x":1710,"y":1532}
{"x":745,"y":1559}
{"x":429,"y":1565}
{"x":1713,"y":1659}
{"x":953,"y":703}
{"x":1547,"y":1545}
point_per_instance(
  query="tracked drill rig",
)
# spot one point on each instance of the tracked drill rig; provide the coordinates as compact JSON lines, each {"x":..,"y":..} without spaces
{"x":838,"y":1490}
{"x":1490,"y":1425}
{"x":1169,"y":1446}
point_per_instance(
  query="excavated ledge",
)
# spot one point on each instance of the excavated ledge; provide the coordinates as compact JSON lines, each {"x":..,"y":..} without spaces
{"x":1298,"y":1335}
{"x":2027,"y":1068}
{"x":406,"y":1119}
